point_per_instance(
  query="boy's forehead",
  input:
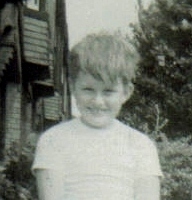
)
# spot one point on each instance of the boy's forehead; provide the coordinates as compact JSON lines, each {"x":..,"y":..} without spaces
{"x":105,"y":80}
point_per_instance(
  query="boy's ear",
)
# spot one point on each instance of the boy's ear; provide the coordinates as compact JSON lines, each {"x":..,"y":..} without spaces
{"x":128,"y":91}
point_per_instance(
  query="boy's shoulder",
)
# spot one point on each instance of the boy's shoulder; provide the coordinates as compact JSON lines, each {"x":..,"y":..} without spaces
{"x":137,"y":137}
{"x":60,"y":129}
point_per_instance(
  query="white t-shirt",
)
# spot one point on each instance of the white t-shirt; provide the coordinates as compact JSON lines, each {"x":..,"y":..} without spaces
{"x":97,"y":164}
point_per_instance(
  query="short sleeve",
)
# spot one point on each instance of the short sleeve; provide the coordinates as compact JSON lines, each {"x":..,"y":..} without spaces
{"x":47,"y":155}
{"x":147,"y":160}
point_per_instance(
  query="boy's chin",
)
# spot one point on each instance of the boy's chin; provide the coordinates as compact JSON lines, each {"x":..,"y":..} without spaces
{"x":98,"y":123}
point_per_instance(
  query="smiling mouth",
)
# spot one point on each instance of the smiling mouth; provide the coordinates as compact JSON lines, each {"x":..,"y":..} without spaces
{"x":97,"y":111}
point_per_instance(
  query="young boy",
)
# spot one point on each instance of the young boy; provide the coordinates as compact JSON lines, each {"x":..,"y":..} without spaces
{"x":95,"y":156}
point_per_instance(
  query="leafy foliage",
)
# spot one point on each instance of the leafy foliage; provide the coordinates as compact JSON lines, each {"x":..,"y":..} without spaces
{"x":16,"y":180}
{"x":176,"y":162}
{"x":163,"y":39}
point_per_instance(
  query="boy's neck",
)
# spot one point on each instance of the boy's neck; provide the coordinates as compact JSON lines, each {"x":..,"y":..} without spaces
{"x":106,"y":127}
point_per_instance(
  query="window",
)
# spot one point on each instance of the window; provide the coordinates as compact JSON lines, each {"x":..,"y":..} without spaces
{"x":32,"y":4}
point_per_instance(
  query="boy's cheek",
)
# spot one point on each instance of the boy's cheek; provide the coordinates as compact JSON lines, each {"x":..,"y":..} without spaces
{"x":128,"y":91}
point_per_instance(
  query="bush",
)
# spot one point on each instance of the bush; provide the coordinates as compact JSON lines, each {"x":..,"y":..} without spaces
{"x":16,"y":180}
{"x":176,"y":162}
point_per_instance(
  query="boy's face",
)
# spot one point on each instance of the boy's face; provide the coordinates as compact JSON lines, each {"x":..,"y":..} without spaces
{"x":97,"y":102}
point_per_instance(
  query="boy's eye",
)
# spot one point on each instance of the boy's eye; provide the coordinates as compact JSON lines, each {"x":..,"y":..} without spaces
{"x":88,"y":89}
{"x":109,"y":91}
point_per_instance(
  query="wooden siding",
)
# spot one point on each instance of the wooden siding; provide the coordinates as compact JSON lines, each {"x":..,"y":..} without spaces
{"x":13,"y":114}
{"x":6,"y":54}
{"x":36,"y":41}
{"x":52,"y":108}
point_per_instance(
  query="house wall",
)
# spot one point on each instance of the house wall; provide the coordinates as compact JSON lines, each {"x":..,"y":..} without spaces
{"x":2,"y":115}
{"x":18,"y":118}
{"x":13,"y":113}
{"x":36,"y":40}
{"x":53,"y":108}
{"x":19,"y":111}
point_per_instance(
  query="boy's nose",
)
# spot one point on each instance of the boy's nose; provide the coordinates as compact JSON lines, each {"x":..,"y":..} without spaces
{"x":99,"y":99}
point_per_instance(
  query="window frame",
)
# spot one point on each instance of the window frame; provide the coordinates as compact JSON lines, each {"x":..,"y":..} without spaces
{"x":39,"y":8}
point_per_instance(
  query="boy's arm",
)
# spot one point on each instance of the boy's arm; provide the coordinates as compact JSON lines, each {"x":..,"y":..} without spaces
{"x":49,"y":184}
{"x":147,"y":188}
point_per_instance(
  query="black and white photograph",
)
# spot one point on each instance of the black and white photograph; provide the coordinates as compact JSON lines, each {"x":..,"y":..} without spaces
{"x":96,"y":100}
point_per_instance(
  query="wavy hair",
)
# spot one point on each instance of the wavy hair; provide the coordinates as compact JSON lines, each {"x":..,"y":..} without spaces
{"x":105,"y":56}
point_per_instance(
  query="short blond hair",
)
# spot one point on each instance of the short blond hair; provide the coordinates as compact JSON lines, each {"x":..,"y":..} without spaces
{"x":105,"y":56}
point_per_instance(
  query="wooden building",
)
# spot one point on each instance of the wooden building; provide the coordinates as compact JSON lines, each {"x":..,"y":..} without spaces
{"x":34,"y":86}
